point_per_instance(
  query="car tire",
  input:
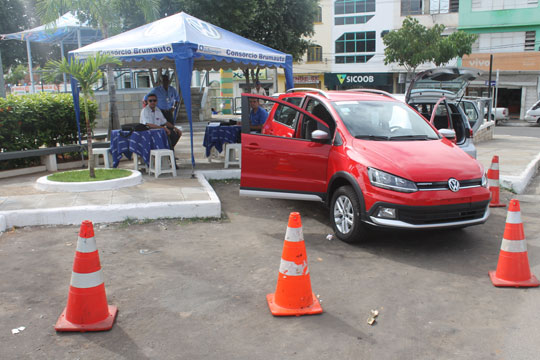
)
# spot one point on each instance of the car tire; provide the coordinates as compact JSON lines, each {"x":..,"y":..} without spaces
{"x":346,"y":206}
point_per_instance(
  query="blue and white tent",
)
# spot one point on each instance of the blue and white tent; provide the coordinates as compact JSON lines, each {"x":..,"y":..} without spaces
{"x":184,"y":42}
{"x":67,"y":29}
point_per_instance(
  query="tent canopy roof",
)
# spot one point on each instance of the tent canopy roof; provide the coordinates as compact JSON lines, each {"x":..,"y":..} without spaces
{"x":183,"y":36}
{"x":64,"y":29}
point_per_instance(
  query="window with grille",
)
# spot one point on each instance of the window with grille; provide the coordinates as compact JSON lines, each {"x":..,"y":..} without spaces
{"x":314,"y":53}
{"x":356,"y":42}
{"x":411,"y":7}
{"x":352,"y":20}
{"x":353,"y":59}
{"x":530,"y":39}
{"x":501,"y":42}
{"x":342,"y":7}
{"x":318,"y":17}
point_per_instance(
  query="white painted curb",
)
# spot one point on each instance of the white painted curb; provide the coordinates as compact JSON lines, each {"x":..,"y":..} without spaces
{"x":3,"y":224}
{"x":519,"y":183}
{"x":114,"y":213}
{"x":55,"y":186}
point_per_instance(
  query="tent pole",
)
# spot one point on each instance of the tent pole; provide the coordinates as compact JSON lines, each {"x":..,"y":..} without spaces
{"x":79,"y":37}
{"x":63,"y":57}
{"x":29,"y":53}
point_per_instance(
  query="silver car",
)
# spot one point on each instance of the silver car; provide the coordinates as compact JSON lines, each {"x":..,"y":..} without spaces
{"x":436,"y":94}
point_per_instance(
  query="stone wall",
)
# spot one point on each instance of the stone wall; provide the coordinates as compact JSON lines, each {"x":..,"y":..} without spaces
{"x":128,"y":101}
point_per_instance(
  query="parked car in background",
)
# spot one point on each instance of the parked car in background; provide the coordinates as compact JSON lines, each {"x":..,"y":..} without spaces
{"x":373,"y":159}
{"x":533,"y":114}
{"x":498,"y":114}
{"x":448,"y":83}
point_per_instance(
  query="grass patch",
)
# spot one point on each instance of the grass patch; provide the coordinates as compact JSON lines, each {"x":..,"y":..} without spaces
{"x":83,"y":175}
{"x":224,"y":181}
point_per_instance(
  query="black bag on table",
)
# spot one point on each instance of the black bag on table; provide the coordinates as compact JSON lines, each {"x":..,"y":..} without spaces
{"x":131,"y":127}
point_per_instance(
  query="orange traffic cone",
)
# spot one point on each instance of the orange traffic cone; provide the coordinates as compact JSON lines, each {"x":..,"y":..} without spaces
{"x":493,"y":182}
{"x":513,"y":267}
{"x":293,"y":294}
{"x":87,"y":308}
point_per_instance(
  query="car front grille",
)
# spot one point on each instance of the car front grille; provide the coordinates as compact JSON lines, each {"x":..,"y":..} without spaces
{"x":442,"y":214}
{"x":443,"y":185}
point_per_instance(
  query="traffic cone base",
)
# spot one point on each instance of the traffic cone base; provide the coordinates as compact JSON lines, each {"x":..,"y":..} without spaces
{"x":532,"y":282}
{"x":276,"y":310}
{"x":65,"y":325}
{"x":497,"y":205}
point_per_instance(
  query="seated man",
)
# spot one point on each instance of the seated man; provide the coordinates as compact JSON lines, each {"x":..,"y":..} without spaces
{"x":257,"y":115}
{"x":154,"y":119}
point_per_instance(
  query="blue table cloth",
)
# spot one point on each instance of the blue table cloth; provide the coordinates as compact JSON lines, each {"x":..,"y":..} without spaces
{"x":216,"y":136}
{"x":138,"y":142}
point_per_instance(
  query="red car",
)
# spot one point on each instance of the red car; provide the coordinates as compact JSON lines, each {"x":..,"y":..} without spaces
{"x":374,"y":160}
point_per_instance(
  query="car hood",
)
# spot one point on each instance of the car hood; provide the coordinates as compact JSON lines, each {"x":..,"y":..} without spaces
{"x":431,"y":160}
{"x":452,"y":79}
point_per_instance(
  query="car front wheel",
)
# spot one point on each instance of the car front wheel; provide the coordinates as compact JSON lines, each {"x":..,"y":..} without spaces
{"x":345,"y":215}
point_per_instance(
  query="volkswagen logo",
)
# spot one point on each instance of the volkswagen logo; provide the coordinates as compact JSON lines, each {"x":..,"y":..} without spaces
{"x":453,"y":184}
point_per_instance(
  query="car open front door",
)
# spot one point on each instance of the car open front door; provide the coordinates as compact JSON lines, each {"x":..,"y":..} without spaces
{"x":280,"y":166}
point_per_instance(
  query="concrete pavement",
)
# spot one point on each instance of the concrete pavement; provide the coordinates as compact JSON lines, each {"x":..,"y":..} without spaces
{"x":190,"y":195}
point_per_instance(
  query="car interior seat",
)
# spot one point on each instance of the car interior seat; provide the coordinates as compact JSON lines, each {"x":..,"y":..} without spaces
{"x":440,"y":122}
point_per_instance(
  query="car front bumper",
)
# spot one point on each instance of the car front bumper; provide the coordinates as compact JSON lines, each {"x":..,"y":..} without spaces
{"x":431,"y":217}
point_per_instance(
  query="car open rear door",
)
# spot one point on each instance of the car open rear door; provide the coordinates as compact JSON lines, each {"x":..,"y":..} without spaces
{"x":279,"y":166}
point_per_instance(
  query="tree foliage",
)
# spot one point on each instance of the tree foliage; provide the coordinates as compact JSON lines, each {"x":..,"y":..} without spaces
{"x":87,"y":73}
{"x":12,"y":19}
{"x":414,"y":44}
{"x":109,"y":16}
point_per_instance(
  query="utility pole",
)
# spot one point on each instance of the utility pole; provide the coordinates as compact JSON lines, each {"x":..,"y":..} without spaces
{"x":2,"y":85}
{"x":489,"y":89}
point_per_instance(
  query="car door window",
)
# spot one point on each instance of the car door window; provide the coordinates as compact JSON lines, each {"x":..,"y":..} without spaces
{"x":287,"y":115}
{"x":470,"y":110}
{"x":309,"y":125}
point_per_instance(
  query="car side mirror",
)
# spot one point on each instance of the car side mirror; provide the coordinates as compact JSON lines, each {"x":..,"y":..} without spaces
{"x":448,"y":133}
{"x":319,"y":135}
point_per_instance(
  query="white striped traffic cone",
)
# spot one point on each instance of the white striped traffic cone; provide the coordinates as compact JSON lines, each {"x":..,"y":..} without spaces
{"x":513,"y":266}
{"x":493,"y":182}
{"x":87,"y":308}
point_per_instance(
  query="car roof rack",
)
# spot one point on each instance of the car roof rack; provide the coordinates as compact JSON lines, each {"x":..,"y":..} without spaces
{"x":373,"y":91}
{"x":321,"y":92}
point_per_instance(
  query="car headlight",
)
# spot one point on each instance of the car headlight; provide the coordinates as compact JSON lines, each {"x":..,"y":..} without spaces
{"x":388,"y":181}
{"x":484,"y":181}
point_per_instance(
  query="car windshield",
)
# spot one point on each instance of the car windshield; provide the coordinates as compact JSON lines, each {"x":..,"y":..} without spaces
{"x":383,"y":120}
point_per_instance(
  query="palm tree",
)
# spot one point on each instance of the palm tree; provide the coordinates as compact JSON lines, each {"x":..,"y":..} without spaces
{"x":87,"y":73}
{"x":107,"y":15}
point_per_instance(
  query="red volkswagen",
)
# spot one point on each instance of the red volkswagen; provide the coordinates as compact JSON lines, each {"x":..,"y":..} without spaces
{"x":374,"y":160}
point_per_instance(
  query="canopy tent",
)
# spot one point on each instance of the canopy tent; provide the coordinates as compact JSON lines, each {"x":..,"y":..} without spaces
{"x":67,"y":29}
{"x":184,"y":42}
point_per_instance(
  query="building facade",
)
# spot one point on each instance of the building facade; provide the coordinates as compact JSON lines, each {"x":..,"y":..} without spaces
{"x":510,"y":31}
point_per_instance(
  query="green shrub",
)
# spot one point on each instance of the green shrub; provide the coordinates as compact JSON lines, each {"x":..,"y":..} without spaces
{"x":33,"y":121}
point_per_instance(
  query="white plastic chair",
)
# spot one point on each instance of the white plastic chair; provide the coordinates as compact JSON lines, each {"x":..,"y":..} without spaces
{"x":156,"y":162}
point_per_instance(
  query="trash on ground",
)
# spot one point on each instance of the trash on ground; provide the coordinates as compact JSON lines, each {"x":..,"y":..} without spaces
{"x":371,"y":319}
{"x":17,"y":330}
{"x":69,"y":243}
{"x":330,"y":237}
{"x":319,"y":259}
{"x":147,"y":251}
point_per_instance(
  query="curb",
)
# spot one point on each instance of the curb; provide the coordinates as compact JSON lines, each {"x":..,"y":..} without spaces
{"x":519,"y":183}
{"x":115,"y":213}
{"x":47,"y":185}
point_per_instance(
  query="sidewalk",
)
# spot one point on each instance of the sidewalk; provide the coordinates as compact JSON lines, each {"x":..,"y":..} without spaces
{"x":519,"y":158}
{"x":185,"y":196}
{"x":21,"y":204}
